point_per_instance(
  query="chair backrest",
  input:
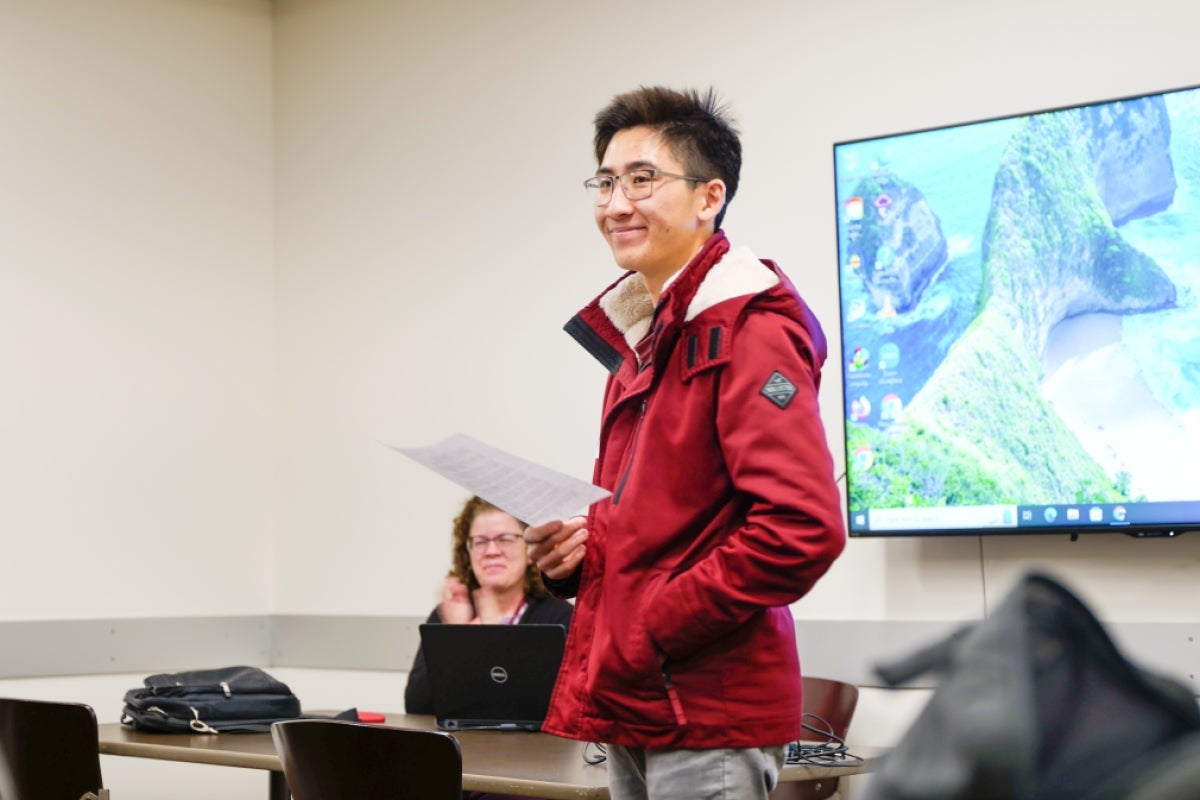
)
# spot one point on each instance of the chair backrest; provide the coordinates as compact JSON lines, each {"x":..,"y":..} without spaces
{"x":832,"y":703}
{"x":48,"y":751}
{"x":339,"y":760}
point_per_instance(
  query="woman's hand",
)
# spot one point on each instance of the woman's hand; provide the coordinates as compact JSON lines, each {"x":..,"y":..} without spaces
{"x":455,"y":607}
{"x":487,"y":606}
{"x":557,"y":547}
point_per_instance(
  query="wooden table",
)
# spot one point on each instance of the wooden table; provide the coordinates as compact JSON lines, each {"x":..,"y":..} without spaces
{"x":505,"y":762}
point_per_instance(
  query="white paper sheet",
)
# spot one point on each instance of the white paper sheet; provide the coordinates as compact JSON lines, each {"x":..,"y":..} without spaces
{"x":528,"y":491}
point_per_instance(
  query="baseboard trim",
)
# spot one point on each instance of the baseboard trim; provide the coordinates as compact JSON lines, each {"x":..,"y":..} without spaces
{"x":50,"y":648}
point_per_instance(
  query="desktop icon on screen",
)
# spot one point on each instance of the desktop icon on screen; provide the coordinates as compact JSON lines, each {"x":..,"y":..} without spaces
{"x":860,"y":408}
{"x":890,"y":406}
{"x":883,"y":204}
{"x":889,"y":355}
{"x":1096,"y":514}
{"x":860,"y":359}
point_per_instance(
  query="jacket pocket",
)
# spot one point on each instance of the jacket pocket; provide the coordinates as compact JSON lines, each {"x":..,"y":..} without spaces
{"x":627,"y":682}
{"x":696,"y":684}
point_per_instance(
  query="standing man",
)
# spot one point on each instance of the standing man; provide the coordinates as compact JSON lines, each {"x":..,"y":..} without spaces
{"x":682,"y":653}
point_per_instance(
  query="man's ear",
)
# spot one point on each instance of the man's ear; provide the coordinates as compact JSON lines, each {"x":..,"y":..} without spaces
{"x":713,"y":200}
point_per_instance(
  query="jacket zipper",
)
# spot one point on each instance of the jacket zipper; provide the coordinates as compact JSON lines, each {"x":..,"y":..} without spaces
{"x":632,"y":452}
{"x":637,"y":430}
{"x":673,"y":696}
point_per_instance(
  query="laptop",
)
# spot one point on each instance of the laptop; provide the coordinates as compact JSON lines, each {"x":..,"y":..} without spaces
{"x":492,"y":677}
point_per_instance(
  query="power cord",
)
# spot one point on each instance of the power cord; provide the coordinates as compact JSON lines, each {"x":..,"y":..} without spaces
{"x":598,"y":757}
{"x":832,"y":752}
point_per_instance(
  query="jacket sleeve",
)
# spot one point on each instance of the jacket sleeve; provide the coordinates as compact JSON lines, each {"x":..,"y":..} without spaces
{"x":418,"y":696}
{"x":773,"y":443}
{"x":564,"y":588}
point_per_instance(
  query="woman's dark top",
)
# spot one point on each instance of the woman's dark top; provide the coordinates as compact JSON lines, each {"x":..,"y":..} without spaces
{"x":418,"y":696}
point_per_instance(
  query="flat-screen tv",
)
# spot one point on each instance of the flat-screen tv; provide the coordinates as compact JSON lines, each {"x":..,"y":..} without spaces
{"x":1020,"y":323}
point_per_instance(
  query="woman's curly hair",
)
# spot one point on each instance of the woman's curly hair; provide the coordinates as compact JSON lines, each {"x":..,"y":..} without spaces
{"x":460,"y":554}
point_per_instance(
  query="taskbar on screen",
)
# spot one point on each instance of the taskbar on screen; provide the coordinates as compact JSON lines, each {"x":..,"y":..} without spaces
{"x":1164,"y":516}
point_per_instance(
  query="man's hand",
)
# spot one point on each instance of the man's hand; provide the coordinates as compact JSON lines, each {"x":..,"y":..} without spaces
{"x":557,"y":547}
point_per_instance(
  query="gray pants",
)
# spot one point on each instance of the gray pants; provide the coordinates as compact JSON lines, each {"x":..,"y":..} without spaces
{"x":635,"y":773}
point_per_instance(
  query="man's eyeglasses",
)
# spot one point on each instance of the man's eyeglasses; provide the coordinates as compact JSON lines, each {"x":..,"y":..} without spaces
{"x":505,"y":541}
{"x":637,"y":184}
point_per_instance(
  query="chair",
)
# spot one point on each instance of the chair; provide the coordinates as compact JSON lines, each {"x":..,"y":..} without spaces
{"x":49,"y":751}
{"x":337,"y":760}
{"x":833,"y":702}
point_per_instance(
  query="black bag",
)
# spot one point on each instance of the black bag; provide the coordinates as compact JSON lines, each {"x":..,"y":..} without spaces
{"x":228,"y":699}
{"x":1035,"y":702}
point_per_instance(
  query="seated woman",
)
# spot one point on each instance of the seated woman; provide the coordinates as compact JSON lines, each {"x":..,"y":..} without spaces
{"x":491,"y":582}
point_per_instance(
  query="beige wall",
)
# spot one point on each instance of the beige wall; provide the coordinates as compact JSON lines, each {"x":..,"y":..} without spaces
{"x":433,"y":238}
{"x":136,"y":309}
{"x":242,"y":244}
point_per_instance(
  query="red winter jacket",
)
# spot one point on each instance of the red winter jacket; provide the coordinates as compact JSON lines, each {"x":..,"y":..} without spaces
{"x":724,"y":511}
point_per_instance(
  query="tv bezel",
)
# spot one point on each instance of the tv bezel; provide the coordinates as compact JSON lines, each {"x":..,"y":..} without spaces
{"x":1141,"y":530}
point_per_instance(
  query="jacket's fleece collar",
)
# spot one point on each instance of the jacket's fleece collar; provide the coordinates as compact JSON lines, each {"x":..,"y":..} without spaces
{"x":629,"y":307}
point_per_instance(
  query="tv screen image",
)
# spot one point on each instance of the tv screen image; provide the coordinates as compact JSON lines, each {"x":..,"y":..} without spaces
{"x":1019,"y":322}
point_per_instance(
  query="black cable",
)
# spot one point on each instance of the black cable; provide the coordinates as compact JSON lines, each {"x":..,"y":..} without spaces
{"x":599,"y":757}
{"x":832,"y":752}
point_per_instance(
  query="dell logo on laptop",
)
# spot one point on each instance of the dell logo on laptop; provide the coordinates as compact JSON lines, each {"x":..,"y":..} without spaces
{"x":499,"y":674}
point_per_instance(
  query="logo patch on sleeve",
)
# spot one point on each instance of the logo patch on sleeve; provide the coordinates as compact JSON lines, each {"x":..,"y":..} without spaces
{"x":779,"y":390}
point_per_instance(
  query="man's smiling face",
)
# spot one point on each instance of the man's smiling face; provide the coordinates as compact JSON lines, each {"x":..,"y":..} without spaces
{"x":657,"y":235}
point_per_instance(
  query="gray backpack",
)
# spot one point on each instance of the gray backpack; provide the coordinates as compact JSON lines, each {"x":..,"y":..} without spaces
{"x":1035,"y":702}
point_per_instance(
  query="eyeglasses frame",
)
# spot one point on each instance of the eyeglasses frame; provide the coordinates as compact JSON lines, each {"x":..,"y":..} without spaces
{"x":490,"y":540}
{"x":618,"y":180}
